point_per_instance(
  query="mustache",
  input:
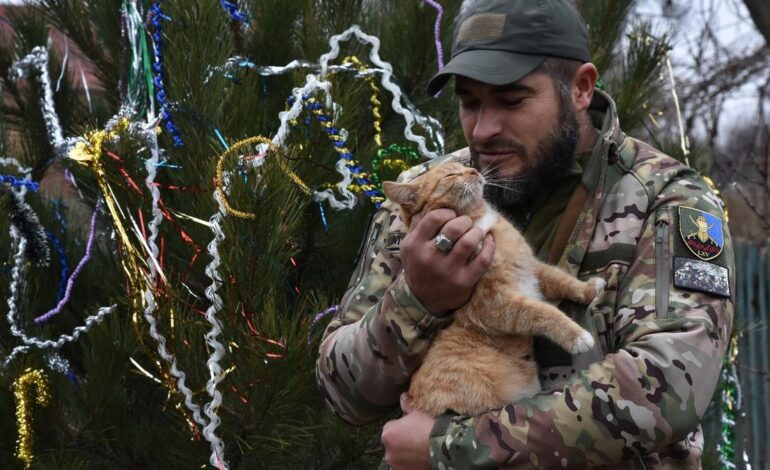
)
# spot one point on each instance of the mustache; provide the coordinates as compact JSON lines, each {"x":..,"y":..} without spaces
{"x":498,"y":146}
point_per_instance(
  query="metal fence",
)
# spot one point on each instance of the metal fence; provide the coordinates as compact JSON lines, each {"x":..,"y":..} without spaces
{"x":752,"y":318}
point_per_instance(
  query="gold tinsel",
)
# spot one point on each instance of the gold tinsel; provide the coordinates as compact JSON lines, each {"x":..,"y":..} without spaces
{"x":233,"y":150}
{"x":22,"y":388}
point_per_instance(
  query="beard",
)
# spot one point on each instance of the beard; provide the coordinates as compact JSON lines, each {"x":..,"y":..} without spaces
{"x":553,"y":158}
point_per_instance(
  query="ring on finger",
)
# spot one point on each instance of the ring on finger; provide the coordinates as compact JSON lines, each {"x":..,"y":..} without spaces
{"x":443,"y":243}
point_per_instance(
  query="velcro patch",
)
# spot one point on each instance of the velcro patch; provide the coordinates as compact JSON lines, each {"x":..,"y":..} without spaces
{"x":482,"y":26}
{"x":701,"y":276}
{"x":701,"y":232}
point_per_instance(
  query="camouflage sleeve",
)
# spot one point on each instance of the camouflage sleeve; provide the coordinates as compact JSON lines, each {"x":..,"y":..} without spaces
{"x":647,"y":396}
{"x":370,"y":350}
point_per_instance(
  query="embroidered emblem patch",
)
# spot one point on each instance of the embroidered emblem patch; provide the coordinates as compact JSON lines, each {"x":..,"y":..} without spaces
{"x":701,"y":232}
{"x":699,"y":275}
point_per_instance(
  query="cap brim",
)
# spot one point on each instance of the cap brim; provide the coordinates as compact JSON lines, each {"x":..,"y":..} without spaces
{"x":488,"y":66}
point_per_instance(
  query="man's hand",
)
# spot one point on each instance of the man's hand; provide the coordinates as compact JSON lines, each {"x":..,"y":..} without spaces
{"x":407,"y":439}
{"x":444,"y":281}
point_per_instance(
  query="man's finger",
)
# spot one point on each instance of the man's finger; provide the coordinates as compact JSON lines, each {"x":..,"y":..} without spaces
{"x":457,"y":227}
{"x":432,"y":222}
{"x":483,"y":260}
{"x":467,"y":244}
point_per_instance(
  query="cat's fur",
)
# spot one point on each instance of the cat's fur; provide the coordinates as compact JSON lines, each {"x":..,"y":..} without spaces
{"x":484,"y":359}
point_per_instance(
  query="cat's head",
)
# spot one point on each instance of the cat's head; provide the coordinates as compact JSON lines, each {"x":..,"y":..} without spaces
{"x":449,"y":185}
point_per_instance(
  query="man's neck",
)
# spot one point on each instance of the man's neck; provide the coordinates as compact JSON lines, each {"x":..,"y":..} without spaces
{"x":588,"y":134}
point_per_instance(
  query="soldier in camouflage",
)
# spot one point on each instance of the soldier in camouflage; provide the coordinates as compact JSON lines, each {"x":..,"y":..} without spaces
{"x":587,"y":198}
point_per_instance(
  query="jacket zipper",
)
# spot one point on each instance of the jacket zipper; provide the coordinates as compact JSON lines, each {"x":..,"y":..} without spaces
{"x":370,"y":239}
{"x":662,"y":269}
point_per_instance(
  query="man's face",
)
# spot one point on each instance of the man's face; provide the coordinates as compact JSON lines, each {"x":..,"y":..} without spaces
{"x":520,"y":135}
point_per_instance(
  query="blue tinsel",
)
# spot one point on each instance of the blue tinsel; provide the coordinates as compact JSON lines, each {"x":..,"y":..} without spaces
{"x":339,"y":143}
{"x":16,"y":182}
{"x":62,"y":261}
{"x":157,"y":69}
{"x":235,"y":13}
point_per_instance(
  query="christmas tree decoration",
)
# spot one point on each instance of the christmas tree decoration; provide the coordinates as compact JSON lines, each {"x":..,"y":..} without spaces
{"x":151,"y":165}
{"x":24,"y":219}
{"x":32,"y":383}
{"x":340,"y":146}
{"x":730,"y":397}
{"x":216,"y":373}
{"x":234,"y":11}
{"x":387,"y":83}
{"x":139,"y":86}
{"x":34,"y":342}
{"x":71,"y":281}
{"x":19,"y":182}
{"x":221,"y":178}
{"x":57,"y":244}
{"x":89,"y":152}
{"x":377,"y":123}
{"x":36,"y":63}
{"x":437,"y":31}
{"x":386,"y":159}
{"x":320,"y":316}
{"x":286,"y":117}
{"x":156,"y":15}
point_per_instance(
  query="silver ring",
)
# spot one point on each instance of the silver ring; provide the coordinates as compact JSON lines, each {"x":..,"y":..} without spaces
{"x":443,"y":243}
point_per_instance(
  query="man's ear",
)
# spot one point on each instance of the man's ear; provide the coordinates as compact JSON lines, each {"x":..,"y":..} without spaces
{"x":583,"y":86}
{"x":404,"y":194}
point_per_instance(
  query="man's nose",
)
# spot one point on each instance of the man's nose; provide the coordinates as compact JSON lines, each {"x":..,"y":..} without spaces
{"x":488,"y":125}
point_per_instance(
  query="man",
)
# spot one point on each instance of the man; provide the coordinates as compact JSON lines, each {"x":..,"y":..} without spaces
{"x":588,"y":198}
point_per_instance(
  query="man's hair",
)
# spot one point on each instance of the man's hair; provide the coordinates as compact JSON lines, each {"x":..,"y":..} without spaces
{"x":562,"y":71}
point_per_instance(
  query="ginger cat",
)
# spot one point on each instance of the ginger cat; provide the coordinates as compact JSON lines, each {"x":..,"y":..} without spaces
{"x":484,"y":359}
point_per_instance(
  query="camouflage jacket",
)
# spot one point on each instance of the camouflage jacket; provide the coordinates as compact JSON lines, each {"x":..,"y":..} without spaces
{"x":662,"y":326}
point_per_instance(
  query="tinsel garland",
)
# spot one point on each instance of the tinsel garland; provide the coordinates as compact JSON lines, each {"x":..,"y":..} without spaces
{"x":71,"y":281}
{"x":32,"y":382}
{"x":19,"y":182}
{"x":216,"y":374}
{"x":340,"y":146}
{"x":731,"y":404}
{"x":411,"y":157}
{"x":151,"y":165}
{"x":312,"y":84}
{"x":37,"y":61}
{"x":64,"y":273}
{"x":234,"y":11}
{"x":156,"y":15}
{"x":34,"y":342}
{"x":377,"y":121}
{"x":26,"y":221}
{"x":437,"y":31}
{"x":387,"y":83}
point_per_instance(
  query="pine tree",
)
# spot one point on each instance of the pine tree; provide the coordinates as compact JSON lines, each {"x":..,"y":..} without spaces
{"x":173,"y":84}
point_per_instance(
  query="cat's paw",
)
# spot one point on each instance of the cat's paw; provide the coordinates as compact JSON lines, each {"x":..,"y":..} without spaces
{"x":583,"y":343}
{"x":594,"y":286}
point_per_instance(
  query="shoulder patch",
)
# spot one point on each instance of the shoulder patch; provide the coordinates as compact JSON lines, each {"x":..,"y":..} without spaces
{"x":699,"y":275}
{"x":701,"y":232}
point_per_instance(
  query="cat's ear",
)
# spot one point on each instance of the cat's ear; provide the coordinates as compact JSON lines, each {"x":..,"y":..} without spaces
{"x":404,"y":194}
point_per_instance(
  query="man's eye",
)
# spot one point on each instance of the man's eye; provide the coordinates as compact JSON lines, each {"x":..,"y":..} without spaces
{"x":469,"y":104}
{"x":512,"y":102}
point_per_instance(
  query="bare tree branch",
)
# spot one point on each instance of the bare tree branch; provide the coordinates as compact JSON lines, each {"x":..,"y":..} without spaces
{"x":760,"y":14}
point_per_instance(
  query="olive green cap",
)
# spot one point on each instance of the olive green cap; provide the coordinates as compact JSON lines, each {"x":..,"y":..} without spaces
{"x":500,"y":41}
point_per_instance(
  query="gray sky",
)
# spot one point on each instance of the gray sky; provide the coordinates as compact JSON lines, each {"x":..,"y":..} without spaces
{"x":734,"y":30}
